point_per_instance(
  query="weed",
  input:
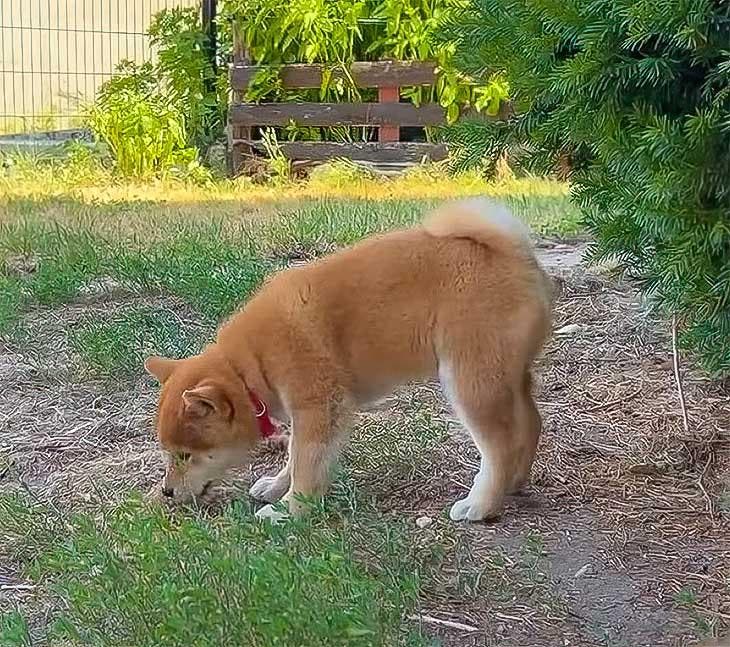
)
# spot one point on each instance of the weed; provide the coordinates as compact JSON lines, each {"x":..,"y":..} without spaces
{"x":153,"y":116}
{"x":185,"y":75}
{"x":138,"y":575}
{"x":339,"y":174}
{"x":12,"y":299}
{"x":688,"y":599}
{"x":279,"y":164}
{"x":723,"y":502}
{"x":145,"y":134}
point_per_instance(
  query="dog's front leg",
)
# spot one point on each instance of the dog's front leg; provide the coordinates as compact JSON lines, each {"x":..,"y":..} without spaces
{"x":316,"y":438}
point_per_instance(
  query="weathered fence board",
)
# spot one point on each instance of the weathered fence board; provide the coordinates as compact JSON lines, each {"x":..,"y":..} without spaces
{"x":376,"y":152}
{"x":335,"y":114}
{"x":363,"y":74}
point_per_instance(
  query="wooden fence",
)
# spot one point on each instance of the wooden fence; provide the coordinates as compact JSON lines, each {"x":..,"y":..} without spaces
{"x":388,"y":115}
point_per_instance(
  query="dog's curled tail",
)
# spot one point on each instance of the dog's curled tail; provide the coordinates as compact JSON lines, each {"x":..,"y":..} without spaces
{"x":485,"y":222}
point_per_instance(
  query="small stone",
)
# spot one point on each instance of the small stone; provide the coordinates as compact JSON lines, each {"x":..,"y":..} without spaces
{"x":424,"y":522}
{"x":570,"y":329}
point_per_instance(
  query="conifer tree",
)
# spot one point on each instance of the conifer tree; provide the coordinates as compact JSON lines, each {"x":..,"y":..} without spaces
{"x":637,"y":94}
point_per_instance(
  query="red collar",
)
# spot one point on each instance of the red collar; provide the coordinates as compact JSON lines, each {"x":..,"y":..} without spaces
{"x":267,"y":428}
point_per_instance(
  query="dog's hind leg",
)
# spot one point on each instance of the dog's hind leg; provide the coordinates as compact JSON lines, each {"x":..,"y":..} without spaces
{"x":527,"y":430}
{"x":485,"y":404}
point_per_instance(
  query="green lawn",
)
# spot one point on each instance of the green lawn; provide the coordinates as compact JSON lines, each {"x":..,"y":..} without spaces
{"x":165,"y":263}
{"x":209,"y":249}
{"x":140,"y":575}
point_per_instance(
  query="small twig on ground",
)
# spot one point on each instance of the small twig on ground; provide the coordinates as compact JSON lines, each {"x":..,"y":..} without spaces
{"x":611,"y":403}
{"x":17,"y":587}
{"x":677,"y":376}
{"x":444,"y":623}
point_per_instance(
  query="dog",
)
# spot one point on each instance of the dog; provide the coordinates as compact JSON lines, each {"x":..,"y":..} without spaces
{"x":460,"y":297}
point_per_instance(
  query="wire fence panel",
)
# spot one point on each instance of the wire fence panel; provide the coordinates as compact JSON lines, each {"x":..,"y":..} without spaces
{"x":54,"y":55}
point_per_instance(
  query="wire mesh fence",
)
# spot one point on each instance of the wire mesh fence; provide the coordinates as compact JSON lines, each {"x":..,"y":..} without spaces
{"x":54,"y":55}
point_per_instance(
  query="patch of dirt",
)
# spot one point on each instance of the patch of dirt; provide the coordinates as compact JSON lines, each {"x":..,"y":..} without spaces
{"x":626,"y":513}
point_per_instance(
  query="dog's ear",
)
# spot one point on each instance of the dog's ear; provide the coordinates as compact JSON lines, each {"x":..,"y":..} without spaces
{"x":205,"y":400}
{"x":160,"y":367}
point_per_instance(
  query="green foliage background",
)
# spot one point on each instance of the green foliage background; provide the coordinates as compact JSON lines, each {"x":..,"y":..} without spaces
{"x":338,"y":32}
{"x":155,"y":117}
{"x":636,"y":95}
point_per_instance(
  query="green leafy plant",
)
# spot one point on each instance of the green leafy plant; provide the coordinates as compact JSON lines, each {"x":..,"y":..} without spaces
{"x":410,"y":31}
{"x":155,"y":116}
{"x":302,"y":31}
{"x":13,"y":630}
{"x":144,"y":132}
{"x":634,"y":95}
{"x":338,"y":32}
{"x":184,"y":69}
{"x":279,"y":164}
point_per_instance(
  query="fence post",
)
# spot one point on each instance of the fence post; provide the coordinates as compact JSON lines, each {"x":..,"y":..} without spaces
{"x":389,"y":133}
{"x":239,"y":150}
{"x":208,"y":11}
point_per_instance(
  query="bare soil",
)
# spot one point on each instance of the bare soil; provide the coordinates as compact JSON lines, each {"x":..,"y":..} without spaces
{"x":622,"y":538}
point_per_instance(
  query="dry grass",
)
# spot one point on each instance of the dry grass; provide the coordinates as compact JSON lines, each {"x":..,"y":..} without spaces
{"x":38,"y":178}
{"x":623,"y":538}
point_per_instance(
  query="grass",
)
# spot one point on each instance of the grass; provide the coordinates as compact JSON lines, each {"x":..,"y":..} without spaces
{"x":139,"y":575}
{"x":123,"y":269}
{"x":79,"y":178}
{"x":120,"y":344}
{"x":11,"y":301}
{"x":688,"y":599}
{"x":171,"y":258}
{"x":14,"y":629}
{"x":76,"y":226}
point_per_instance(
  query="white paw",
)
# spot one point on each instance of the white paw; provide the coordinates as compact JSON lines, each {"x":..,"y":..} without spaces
{"x":267,"y":489}
{"x":271,"y":514}
{"x":471,"y":510}
{"x":460,"y":510}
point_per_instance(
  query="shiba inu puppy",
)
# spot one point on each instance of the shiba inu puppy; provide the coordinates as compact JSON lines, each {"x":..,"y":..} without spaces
{"x":460,"y":297}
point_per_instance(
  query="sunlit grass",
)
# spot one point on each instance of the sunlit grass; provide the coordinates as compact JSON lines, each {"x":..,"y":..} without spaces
{"x":117,"y":345}
{"x":211,"y":244}
{"x":83,"y":178}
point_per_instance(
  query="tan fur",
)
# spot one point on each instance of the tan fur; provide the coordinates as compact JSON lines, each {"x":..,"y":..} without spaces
{"x":460,"y":298}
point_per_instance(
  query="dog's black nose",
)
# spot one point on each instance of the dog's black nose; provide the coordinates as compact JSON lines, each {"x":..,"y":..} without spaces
{"x":168,"y":492}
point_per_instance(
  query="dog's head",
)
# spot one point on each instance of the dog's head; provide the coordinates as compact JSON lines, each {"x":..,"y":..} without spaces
{"x":205,"y":422}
